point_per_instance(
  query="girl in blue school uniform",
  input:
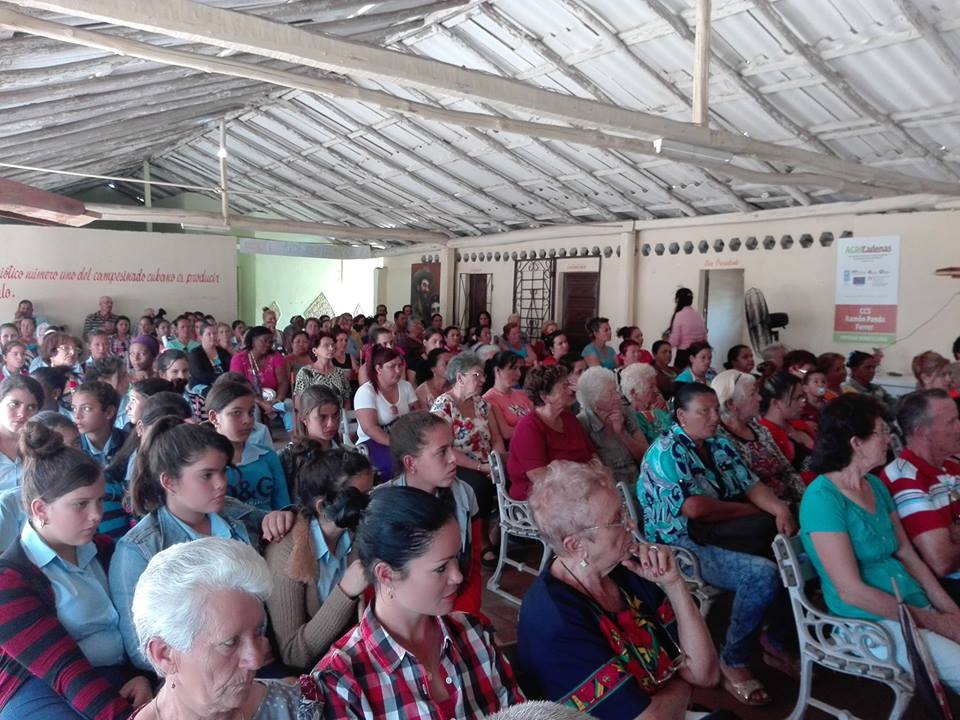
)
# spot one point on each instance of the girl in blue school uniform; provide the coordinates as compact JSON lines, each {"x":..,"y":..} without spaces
{"x":256,"y":476}
{"x":14,"y":359}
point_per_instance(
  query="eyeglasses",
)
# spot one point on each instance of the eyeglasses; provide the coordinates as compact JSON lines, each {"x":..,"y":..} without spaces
{"x":624,"y":523}
{"x":473,"y":374}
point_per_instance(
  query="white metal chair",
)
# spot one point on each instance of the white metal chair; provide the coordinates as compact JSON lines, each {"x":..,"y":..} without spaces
{"x":842,"y":644}
{"x":348,"y":429}
{"x":516,"y":521}
{"x":687,"y":562}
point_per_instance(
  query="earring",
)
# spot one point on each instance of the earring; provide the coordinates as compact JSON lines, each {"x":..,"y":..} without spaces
{"x":43,"y":523}
{"x":584,"y":563}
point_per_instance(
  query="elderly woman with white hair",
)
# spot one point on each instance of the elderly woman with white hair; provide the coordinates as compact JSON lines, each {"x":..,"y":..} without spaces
{"x":739,"y":400}
{"x":199,"y":616}
{"x":620,"y":443}
{"x":609,"y":627}
{"x":638,"y":383}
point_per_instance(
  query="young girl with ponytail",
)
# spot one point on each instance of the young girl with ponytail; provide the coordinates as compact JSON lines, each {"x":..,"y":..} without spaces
{"x":422,"y":447}
{"x":317,"y":581}
{"x":179,"y":486}
{"x":255,"y":475}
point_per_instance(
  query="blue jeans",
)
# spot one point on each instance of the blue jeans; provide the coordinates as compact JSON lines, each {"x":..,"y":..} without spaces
{"x":755,"y":583}
{"x":36,"y":699}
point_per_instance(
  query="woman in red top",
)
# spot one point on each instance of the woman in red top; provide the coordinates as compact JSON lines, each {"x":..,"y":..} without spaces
{"x":635,"y":335}
{"x":411,"y":657}
{"x":551,"y":432}
{"x":557,"y":346}
{"x":781,"y":401}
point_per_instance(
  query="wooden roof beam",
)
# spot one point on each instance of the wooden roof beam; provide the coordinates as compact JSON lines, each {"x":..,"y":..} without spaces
{"x":18,"y":201}
{"x":498,"y":90}
{"x":129,"y":213}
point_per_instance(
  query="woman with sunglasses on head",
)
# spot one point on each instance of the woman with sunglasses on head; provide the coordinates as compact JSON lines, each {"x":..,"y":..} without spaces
{"x":641,"y":643}
{"x":411,"y":657}
{"x":379,"y":402}
{"x":698,"y":493}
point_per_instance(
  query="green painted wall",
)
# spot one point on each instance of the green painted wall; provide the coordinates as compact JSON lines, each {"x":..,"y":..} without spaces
{"x":293,"y":283}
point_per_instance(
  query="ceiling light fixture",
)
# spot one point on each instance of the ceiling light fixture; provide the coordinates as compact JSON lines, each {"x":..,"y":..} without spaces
{"x":676,"y":150}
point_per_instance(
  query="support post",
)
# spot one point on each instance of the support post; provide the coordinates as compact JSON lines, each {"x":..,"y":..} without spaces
{"x":147,"y":191}
{"x":222,"y":154}
{"x":701,"y":64}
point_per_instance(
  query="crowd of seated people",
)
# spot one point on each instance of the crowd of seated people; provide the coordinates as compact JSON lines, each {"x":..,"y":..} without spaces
{"x":171,"y":561}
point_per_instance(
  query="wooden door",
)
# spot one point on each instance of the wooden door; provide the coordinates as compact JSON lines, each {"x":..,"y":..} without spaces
{"x":476,"y":298}
{"x":581,"y":297}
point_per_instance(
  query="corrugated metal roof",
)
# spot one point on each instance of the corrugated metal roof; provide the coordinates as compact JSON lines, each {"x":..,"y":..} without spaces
{"x":859,"y":79}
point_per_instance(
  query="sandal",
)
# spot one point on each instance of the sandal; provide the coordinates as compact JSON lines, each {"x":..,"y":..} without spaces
{"x":789,"y":666}
{"x":746,"y":691}
{"x":490,"y":558}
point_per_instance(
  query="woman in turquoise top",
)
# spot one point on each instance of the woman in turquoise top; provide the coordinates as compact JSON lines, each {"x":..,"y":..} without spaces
{"x":700,"y":356}
{"x":850,"y":530}
{"x":597,"y":352}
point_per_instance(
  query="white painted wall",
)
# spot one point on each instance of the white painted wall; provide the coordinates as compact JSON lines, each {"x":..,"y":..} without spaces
{"x":80,"y":265}
{"x":801,"y":281}
{"x":615,"y":285}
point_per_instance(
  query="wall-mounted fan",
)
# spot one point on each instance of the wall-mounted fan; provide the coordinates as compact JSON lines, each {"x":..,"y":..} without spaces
{"x":761,"y":322}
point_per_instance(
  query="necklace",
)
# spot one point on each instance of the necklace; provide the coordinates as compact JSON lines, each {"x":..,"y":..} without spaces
{"x":156,"y":709}
{"x":583,"y":587}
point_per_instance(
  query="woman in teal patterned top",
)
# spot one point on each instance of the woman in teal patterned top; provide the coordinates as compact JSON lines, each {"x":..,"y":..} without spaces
{"x":691,"y":474}
{"x":638,"y":383}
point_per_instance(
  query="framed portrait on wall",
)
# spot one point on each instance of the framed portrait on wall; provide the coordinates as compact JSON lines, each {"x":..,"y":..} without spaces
{"x":425,"y":290}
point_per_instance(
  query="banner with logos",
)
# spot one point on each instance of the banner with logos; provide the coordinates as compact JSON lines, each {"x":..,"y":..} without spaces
{"x":867,"y":290}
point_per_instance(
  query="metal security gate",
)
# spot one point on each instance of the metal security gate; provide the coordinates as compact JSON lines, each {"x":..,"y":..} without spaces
{"x":534,"y":282}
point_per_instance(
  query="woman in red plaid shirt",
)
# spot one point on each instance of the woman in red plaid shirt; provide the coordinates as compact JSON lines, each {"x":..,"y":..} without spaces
{"x":410,"y":658}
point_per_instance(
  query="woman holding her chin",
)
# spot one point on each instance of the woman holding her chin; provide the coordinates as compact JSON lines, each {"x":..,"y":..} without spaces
{"x":610,"y":627}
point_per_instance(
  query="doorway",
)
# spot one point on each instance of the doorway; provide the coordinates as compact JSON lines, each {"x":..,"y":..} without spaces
{"x":581,"y":297}
{"x":723,"y":310}
{"x":473,"y":297}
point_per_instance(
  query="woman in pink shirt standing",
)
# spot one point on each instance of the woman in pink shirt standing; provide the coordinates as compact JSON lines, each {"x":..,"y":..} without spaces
{"x":686,"y":327}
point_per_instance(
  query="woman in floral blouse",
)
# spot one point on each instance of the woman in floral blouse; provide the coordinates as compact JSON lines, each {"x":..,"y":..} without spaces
{"x":739,"y":401}
{"x":474,"y":434}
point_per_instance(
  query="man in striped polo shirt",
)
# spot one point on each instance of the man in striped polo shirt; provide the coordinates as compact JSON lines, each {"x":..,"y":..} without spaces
{"x":925,"y":482}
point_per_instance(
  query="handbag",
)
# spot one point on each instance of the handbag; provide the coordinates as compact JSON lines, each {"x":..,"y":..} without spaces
{"x":752,"y":534}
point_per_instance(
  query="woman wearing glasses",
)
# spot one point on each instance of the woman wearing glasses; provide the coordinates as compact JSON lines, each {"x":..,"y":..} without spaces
{"x":851,"y":531}
{"x":379,"y":402}
{"x":610,"y":627}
